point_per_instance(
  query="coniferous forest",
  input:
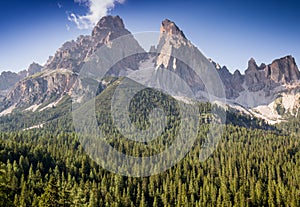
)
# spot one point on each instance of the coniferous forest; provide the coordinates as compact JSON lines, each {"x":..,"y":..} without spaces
{"x":254,"y":164}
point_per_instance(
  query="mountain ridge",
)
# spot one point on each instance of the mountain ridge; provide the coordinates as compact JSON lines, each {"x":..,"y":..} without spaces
{"x":60,"y":74}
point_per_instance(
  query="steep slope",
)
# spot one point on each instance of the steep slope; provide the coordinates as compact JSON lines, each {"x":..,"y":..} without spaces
{"x":172,"y":42}
{"x":39,"y":89}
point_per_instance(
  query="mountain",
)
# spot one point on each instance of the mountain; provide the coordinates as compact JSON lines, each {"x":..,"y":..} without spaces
{"x":73,"y":54}
{"x":268,"y":91}
{"x":172,"y":43}
{"x":8,"y":79}
{"x":59,"y":76}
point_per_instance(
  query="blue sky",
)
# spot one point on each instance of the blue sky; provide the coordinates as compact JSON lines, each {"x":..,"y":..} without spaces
{"x":230,"y":32}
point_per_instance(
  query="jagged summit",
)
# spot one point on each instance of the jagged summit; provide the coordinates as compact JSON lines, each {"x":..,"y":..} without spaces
{"x":170,"y":28}
{"x":72,"y":54}
{"x":252,"y":64}
{"x":112,"y":23}
{"x":283,"y":70}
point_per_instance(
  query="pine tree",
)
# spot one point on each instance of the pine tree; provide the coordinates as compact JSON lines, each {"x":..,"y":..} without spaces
{"x":24,"y":199}
{"x":51,"y":196}
{"x":5,"y":190}
{"x":65,"y":196}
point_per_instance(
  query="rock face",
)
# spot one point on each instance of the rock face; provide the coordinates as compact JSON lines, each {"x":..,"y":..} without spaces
{"x":34,"y":68}
{"x":40,"y":89}
{"x":8,"y":79}
{"x":283,"y":70}
{"x":254,"y":76}
{"x":173,"y":41}
{"x":266,"y":78}
{"x":169,"y":28}
{"x":280,"y":71}
{"x":227,"y":78}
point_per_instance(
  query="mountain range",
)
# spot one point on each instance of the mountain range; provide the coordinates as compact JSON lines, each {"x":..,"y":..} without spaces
{"x":270,"y":92}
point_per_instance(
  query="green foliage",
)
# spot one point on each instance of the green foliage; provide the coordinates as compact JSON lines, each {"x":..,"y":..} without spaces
{"x":6,"y":190}
{"x":51,"y":196}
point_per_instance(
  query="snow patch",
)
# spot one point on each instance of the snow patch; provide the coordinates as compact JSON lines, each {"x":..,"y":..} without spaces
{"x":35,"y":127}
{"x":33,"y":108}
{"x":53,"y":104}
{"x":184,"y":99}
{"x":8,"y":110}
{"x":174,"y":63}
{"x":268,"y":112}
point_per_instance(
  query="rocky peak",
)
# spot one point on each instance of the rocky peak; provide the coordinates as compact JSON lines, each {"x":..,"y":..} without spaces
{"x":112,"y":23}
{"x":170,"y":28}
{"x":72,"y":54}
{"x":252,"y":65}
{"x":283,"y":70}
{"x":223,"y":71}
{"x":280,"y":71}
{"x":107,"y":29}
{"x":34,"y":68}
{"x":262,"y":66}
{"x":8,"y":79}
{"x":255,"y":78}
{"x":172,"y":45}
{"x":237,"y":73}
{"x":237,"y":80}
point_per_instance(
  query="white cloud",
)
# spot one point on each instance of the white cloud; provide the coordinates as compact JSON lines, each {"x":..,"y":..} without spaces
{"x":96,"y":10}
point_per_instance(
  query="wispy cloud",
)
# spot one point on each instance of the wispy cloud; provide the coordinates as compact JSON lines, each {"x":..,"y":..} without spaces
{"x":68,"y":27}
{"x":96,"y":10}
{"x":59,"y":5}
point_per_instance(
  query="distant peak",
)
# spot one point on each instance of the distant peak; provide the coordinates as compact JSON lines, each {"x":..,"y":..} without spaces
{"x":170,"y":28}
{"x":237,"y":73}
{"x":34,"y":64}
{"x":34,"y":68}
{"x":252,"y":61}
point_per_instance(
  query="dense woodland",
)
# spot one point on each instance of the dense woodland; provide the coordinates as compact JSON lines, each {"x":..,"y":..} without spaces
{"x":253,"y":165}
